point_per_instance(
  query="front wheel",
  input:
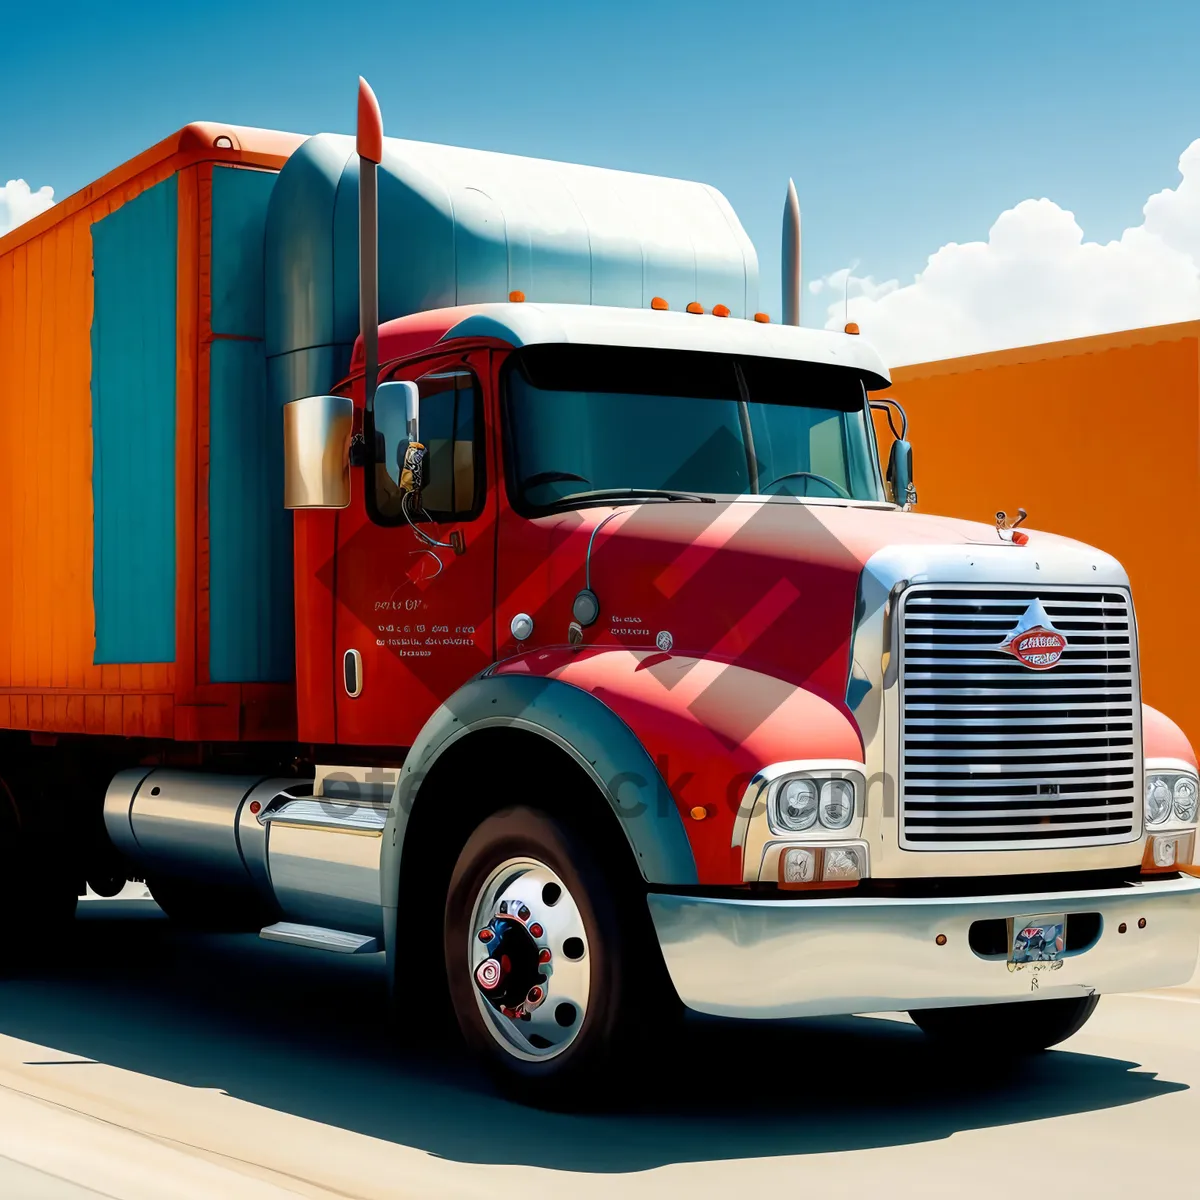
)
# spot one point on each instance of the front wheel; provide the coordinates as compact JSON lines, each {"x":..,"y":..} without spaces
{"x":550,"y":971}
{"x":1023,"y":1027}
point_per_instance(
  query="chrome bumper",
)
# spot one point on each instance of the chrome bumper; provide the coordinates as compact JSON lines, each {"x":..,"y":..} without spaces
{"x":853,"y":954}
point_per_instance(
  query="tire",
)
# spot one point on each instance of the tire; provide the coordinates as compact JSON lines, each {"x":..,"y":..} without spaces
{"x":553,"y":1033}
{"x":1024,"y":1027}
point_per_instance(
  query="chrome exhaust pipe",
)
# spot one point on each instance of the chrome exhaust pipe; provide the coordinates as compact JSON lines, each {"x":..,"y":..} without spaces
{"x":791,"y":257}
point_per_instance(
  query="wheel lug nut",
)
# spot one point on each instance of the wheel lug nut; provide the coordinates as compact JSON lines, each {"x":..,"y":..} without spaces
{"x":486,"y":935}
{"x":523,"y":913}
{"x":504,"y":906}
{"x":535,"y":994}
{"x":543,"y":955}
{"x":536,"y":929}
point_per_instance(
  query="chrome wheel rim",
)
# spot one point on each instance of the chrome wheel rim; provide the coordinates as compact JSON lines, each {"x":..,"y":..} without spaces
{"x":529,"y":959}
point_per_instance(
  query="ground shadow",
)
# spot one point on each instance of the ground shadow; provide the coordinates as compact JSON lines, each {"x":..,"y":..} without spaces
{"x":308,"y":1033}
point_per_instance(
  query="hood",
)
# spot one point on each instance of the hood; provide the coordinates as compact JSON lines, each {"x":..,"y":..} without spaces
{"x":768,"y":585}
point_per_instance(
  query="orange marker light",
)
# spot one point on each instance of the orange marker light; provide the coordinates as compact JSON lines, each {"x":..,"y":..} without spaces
{"x":517,"y":297}
{"x":762,"y":318}
{"x":851,"y":326}
{"x":659,"y":303}
{"x":695,"y":307}
{"x":720,"y":310}
{"x":698,"y":813}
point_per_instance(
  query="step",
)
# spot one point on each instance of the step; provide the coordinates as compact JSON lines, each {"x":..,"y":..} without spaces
{"x":318,"y":938}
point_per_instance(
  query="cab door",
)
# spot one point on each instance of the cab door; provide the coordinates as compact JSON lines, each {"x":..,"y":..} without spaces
{"x":414,"y":618}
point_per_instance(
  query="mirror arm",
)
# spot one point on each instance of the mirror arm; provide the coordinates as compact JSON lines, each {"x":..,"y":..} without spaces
{"x":885,"y":404}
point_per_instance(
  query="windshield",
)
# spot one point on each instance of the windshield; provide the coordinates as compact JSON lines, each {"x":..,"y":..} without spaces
{"x":586,"y":422}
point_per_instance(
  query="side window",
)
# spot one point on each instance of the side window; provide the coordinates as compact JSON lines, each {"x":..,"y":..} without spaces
{"x":452,"y":433}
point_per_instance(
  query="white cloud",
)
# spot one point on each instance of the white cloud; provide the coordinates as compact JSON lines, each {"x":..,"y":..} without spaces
{"x":18,"y":203}
{"x":1035,"y":280}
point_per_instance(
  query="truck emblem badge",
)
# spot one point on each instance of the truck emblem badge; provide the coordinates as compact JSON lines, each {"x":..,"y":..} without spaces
{"x":1034,"y":641}
{"x":664,"y":641}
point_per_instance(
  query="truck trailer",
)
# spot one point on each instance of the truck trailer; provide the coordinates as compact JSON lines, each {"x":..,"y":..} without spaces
{"x":425,"y":552}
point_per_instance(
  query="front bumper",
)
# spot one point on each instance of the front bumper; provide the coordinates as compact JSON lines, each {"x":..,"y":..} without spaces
{"x":854,"y":954}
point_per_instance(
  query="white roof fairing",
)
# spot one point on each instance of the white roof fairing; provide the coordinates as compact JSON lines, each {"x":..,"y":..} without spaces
{"x":594,"y":325}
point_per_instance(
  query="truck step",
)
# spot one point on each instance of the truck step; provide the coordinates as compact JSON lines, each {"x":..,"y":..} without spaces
{"x":317,"y":938}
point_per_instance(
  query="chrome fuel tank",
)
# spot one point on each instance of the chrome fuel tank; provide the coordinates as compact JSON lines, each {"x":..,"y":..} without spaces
{"x":315,"y":858}
{"x":186,"y":825}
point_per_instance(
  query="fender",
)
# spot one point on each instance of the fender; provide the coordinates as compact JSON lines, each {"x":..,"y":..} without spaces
{"x":580,"y":724}
{"x":1162,"y":738}
{"x":708,"y":726}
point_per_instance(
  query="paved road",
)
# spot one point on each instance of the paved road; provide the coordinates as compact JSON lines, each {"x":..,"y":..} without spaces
{"x":153,"y":1064}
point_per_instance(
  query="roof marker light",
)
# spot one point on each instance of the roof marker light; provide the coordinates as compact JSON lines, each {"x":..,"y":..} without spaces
{"x":762,"y":318}
{"x":517,"y":297}
{"x":696,"y":307}
{"x":720,"y":310}
{"x":659,"y":304}
{"x":852,"y":327}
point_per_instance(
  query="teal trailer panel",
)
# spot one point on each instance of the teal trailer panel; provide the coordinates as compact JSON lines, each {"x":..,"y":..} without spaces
{"x":133,"y":428}
{"x":251,"y":638}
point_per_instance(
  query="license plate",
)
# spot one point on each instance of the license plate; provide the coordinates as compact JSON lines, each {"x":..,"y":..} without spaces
{"x":1038,"y":939}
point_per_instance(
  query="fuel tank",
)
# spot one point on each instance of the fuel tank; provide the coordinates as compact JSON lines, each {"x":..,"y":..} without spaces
{"x":314,"y":858}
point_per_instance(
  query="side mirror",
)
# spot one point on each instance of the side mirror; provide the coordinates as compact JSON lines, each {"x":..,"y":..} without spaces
{"x":397,"y":419}
{"x":398,"y":406}
{"x":900,"y":474}
{"x":316,"y":443}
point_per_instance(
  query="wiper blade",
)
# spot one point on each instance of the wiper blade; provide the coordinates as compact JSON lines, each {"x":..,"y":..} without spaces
{"x":633,"y":494}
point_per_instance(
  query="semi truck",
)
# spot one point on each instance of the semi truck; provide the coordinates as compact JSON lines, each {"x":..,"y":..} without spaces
{"x":436,"y":554}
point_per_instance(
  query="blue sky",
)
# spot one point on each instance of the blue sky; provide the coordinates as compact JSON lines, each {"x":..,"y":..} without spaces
{"x":905,"y":125}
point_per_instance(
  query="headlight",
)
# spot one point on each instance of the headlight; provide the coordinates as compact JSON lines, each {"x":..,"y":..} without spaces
{"x":1158,"y":800}
{"x":1185,"y":798}
{"x":799,"y":802}
{"x":796,"y":804}
{"x":837,"y":803}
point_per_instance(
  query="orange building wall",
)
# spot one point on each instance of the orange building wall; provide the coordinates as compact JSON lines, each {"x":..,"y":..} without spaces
{"x":1099,"y":439}
{"x":48,"y":678}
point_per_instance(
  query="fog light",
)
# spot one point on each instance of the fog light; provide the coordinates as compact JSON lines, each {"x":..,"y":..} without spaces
{"x":842,"y":862}
{"x":1168,"y":851}
{"x":797,"y":866}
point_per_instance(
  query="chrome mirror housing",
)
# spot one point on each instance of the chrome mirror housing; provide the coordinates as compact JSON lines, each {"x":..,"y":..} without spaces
{"x":316,"y":452}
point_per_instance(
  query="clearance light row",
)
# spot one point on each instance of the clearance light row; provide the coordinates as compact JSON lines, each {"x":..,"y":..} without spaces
{"x":718,"y":310}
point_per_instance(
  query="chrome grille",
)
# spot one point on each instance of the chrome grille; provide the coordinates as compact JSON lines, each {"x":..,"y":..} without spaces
{"x":997,"y":756}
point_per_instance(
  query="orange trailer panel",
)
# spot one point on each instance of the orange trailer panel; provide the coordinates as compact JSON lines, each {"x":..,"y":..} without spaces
{"x":49,"y":677}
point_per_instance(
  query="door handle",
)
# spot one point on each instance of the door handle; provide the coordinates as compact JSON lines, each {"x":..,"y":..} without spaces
{"x":352,"y":674}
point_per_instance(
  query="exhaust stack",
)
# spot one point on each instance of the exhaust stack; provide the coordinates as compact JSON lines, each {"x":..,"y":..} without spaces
{"x":791,"y":257}
{"x":369,"y":144}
